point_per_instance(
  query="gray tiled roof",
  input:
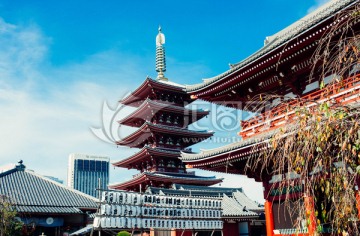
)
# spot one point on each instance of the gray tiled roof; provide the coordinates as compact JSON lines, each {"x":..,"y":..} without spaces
{"x":281,"y":38}
{"x":243,"y":200}
{"x":31,"y":192}
{"x":231,"y":207}
{"x":47,"y":209}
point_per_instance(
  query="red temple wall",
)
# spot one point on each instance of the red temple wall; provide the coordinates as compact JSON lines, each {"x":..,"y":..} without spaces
{"x":230,"y":229}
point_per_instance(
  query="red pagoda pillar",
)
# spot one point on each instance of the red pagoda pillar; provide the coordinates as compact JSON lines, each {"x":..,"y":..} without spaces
{"x":358,"y":202}
{"x":269,"y":217}
{"x":310,"y":215}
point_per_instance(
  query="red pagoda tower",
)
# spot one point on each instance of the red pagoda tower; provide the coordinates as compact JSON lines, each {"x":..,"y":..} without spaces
{"x":162,"y":121}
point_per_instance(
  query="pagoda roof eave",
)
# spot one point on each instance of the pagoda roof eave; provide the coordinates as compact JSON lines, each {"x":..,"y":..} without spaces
{"x":148,"y":104}
{"x":144,"y":88}
{"x":146,"y":151}
{"x":166,"y":177}
{"x":276,"y":41}
{"x":148,"y":128}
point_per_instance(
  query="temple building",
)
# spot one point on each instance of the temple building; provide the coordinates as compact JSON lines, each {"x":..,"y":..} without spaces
{"x":281,"y":67}
{"x":162,"y":120}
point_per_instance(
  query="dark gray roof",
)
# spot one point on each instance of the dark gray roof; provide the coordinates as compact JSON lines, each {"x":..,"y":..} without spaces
{"x":47,"y":209}
{"x":281,"y":38}
{"x":32,"y":193}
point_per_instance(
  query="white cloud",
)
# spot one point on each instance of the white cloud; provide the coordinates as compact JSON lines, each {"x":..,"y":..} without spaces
{"x":46,"y":112}
{"x":318,"y":3}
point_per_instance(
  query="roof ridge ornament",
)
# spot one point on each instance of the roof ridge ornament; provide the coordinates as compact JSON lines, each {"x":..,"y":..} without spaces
{"x":160,"y":56}
{"x":20,"y":166}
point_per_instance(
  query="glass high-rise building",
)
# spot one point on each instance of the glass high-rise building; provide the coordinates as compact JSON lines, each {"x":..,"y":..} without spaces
{"x":84,"y":172}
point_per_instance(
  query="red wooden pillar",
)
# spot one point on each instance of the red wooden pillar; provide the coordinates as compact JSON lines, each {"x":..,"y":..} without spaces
{"x":310,"y":215}
{"x":358,"y":203}
{"x":269,"y":217}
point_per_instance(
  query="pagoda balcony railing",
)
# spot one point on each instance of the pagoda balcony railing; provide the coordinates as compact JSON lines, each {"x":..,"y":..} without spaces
{"x":343,"y":92}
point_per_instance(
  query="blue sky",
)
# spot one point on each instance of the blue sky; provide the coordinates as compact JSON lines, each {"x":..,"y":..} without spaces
{"x":61,"y":60}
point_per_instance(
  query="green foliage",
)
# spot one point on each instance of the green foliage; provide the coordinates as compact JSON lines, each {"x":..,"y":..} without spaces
{"x":123,"y":233}
{"x":319,"y":147}
{"x":9,"y":225}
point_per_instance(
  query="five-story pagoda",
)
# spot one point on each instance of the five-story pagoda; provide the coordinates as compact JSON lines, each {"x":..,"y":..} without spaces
{"x":162,"y":121}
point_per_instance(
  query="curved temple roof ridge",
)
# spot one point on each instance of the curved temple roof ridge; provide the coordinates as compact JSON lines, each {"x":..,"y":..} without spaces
{"x":276,"y":40}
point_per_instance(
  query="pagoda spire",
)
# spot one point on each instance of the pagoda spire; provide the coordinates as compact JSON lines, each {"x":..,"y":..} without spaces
{"x":160,"y":55}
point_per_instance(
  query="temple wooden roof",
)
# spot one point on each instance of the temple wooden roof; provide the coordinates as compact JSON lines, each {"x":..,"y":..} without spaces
{"x":287,"y":54}
{"x":147,"y":130}
{"x":165,"y":177}
{"x":149,"y":108}
{"x":345,"y":92}
{"x":145,"y":90}
{"x":145,"y":154}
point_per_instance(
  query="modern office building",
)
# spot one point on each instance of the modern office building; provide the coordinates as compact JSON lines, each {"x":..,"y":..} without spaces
{"x":84,"y":172}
